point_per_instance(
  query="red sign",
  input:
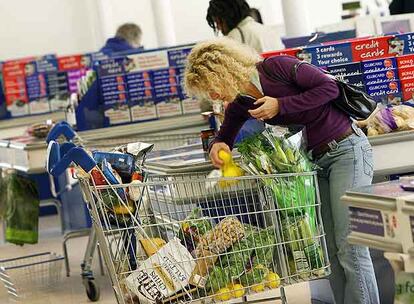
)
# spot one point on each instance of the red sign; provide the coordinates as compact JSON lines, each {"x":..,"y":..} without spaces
{"x":290,"y":52}
{"x":406,"y":73}
{"x":74,"y":62}
{"x":376,"y":48}
{"x":407,"y":88}
{"x":14,"y":75}
{"x":405,"y":61}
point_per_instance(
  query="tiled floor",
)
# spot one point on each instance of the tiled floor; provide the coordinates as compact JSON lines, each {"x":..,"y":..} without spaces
{"x":70,"y":290}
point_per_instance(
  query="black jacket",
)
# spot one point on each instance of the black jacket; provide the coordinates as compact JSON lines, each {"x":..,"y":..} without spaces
{"x":401,"y":7}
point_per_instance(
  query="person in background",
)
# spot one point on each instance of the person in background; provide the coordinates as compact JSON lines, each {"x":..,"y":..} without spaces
{"x":401,"y":7}
{"x":227,"y":71}
{"x":232,"y":19}
{"x":255,"y":14}
{"x":128,"y":37}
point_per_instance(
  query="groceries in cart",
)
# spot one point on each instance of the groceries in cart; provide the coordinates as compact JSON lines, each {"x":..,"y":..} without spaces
{"x":170,"y":239}
{"x":163,"y":274}
{"x":123,"y":165}
{"x":265,"y":154}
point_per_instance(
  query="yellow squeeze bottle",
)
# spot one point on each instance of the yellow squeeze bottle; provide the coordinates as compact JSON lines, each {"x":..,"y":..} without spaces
{"x":229,"y":169}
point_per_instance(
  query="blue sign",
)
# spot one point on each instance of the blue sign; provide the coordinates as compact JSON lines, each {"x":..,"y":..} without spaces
{"x":178,"y":57}
{"x":47,"y":63}
{"x":402,"y":44}
{"x":327,"y":55}
{"x":366,"y":221}
{"x":379,"y":65}
{"x":111,"y":67}
{"x":345,"y":70}
{"x":380,"y":77}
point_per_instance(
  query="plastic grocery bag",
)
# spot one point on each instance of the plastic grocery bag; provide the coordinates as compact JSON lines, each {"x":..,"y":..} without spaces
{"x":22,"y":210}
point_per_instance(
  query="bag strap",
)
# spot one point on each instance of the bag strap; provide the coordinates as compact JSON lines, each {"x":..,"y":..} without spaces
{"x":275,"y":77}
{"x":243,"y":40}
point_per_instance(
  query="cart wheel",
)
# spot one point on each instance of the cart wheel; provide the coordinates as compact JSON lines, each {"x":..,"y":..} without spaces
{"x":92,"y":290}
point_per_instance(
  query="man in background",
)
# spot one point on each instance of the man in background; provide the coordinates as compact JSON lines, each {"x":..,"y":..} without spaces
{"x":128,"y":37}
{"x":401,"y":7}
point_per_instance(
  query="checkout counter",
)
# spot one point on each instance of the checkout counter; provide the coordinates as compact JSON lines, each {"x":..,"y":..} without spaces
{"x":28,"y":154}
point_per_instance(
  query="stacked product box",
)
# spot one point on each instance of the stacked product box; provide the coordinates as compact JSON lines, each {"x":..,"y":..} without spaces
{"x":177,"y":58}
{"x":140,"y":88}
{"x":406,"y":75}
{"x":382,"y":81}
{"x":14,"y":81}
{"x":349,"y":72}
{"x":370,"y":63}
{"x":114,"y":91}
{"x":75,"y":66}
{"x":150,"y":83}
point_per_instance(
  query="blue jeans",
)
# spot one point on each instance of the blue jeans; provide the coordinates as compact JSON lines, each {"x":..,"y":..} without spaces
{"x":347,"y":165}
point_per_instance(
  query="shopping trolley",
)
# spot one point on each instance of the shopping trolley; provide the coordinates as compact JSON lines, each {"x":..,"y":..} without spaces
{"x":203,"y":239}
{"x":70,"y":139}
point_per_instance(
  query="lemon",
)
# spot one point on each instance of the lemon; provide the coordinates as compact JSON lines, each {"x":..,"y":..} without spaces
{"x":258,"y":288}
{"x":225,"y":156}
{"x":272,"y":280}
{"x":237,"y":290}
{"x":121,"y":209}
{"x":223,"y":294}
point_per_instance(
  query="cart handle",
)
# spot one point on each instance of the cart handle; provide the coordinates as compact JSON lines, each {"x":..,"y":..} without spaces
{"x":57,"y":164}
{"x":61,"y":128}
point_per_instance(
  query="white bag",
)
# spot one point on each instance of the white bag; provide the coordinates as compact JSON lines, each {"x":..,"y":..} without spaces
{"x":163,"y":274}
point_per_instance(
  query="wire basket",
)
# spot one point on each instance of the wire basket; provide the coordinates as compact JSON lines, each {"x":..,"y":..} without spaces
{"x":252,"y":232}
{"x":24,"y":277}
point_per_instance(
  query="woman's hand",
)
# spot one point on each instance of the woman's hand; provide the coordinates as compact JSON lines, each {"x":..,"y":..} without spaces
{"x":217,"y":162}
{"x":268,"y":109}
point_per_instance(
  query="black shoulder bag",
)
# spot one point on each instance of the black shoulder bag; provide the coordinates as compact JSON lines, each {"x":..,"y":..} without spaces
{"x":351,"y":100}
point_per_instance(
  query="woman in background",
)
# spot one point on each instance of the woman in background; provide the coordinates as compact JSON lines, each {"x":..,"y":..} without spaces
{"x":232,"y":19}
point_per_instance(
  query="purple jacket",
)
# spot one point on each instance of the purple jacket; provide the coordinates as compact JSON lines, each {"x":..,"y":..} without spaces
{"x":306,"y":101}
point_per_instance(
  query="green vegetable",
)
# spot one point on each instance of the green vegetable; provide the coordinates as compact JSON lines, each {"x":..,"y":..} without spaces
{"x":306,"y":252}
{"x":193,"y":228}
{"x":266,"y":154}
{"x":218,"y":278}
{"x":255,"y":275}
{"x":265,"y":241}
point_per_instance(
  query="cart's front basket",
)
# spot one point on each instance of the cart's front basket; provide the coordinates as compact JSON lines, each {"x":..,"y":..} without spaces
{"x":185,"y":237}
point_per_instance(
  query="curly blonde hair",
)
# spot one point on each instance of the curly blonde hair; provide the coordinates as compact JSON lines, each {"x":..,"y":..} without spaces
{"x":222,"y":66}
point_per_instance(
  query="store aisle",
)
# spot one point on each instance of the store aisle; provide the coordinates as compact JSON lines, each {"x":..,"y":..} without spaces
{"x":70,"y":290}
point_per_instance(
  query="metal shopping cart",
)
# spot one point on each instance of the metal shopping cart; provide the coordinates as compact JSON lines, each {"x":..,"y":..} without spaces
{"x":239,"y":243}
{"x":69,"y":138}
